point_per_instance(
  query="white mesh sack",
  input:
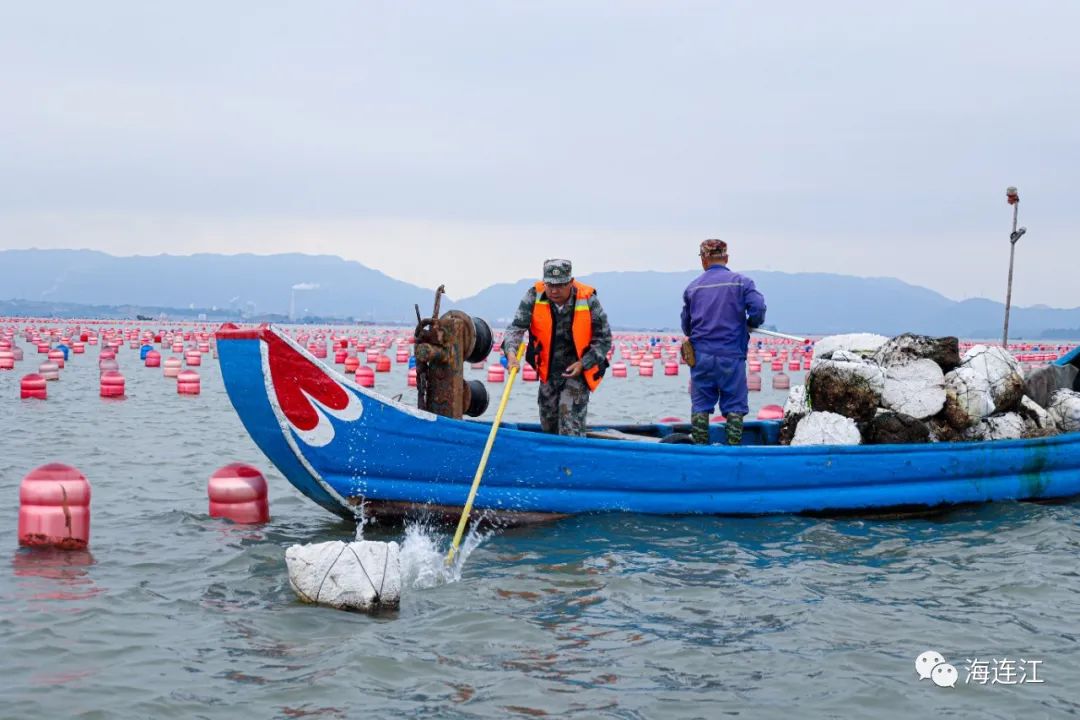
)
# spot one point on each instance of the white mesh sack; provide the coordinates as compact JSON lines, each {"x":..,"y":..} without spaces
{"x":362,"y":575}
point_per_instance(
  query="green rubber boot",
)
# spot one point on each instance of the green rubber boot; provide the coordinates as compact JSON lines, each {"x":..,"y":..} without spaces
{"x":734,"y":428}
{"x":699,"y":428}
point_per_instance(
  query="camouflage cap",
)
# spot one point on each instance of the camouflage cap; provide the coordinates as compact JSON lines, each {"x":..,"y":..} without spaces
{"x":558,"y":272}
{"x":711,"y":248}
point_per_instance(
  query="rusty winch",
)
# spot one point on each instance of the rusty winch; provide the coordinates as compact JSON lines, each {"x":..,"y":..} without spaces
{"x":443,"y":346}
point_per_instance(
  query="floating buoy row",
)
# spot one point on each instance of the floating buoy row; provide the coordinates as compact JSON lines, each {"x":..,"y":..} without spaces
{"x":54,"y":503}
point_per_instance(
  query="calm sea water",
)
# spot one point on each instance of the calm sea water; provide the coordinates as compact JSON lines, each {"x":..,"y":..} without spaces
{"x":174,"y":615}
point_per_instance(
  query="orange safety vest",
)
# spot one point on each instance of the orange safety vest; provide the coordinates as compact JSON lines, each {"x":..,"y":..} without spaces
{"x":542,"y":329}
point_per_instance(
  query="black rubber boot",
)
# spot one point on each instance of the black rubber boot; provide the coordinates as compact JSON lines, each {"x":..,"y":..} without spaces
{"x":734,"y":428}
{"x":699,"y":428}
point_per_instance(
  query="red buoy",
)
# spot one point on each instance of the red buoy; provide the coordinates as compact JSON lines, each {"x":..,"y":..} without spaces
{"x":193,"y":358}
{"x":528,"y":373}
{"x":188,"y":383}
{"x":771,"y":412}
{"x":618,"y":369}
{"x":365,"y":376}
{"x":54,"y":508}
{"x":57,"y":356}
{"x":238,"y":492}
{"x":352,"y":364}
{"x":382,"y":364}
{"x":112,"y":384}
{"x":412,"y":377}
{"x":7,"y":360}
{"x":172,"y":367}
{"x":153,"y":359}
{"x":671,"y":367}
{"x":496,"y":374}
{"x":780,"y":381}
{"x":33,"y":386}
{"x":645,"y":368}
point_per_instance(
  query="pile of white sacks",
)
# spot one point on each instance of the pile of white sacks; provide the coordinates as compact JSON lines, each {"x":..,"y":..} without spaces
{"x":871,"y":389}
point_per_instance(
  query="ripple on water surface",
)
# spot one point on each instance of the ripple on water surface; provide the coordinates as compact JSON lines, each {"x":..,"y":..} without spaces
{"x":171,"y":614}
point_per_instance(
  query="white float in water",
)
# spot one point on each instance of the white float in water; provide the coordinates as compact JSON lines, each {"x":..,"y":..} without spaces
{"x":360,"y":575}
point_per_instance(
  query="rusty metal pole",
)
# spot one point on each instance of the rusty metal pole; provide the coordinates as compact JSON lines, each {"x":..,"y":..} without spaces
{"x":1013,"y":199}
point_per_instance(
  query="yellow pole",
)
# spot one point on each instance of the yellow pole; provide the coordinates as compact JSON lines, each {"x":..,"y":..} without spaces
{"x":484,"y":458}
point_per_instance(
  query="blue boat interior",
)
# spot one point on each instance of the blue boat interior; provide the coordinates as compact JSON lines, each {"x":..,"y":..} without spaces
{"x":755,"y":432}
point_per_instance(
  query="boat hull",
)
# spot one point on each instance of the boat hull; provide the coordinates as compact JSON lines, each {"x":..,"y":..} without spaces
{"x":343,"y":445}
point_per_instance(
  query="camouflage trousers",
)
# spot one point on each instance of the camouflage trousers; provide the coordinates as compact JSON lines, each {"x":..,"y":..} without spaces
{"x":563,"y":406}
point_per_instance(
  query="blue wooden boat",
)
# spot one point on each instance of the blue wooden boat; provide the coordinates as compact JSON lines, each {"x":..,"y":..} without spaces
{"x":342,"y":446}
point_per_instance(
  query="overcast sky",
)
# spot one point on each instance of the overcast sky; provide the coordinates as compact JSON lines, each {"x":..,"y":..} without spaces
{"x":463,"y":142}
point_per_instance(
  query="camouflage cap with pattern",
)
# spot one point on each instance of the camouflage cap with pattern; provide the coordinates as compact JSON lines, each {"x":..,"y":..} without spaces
{"x":557,"y":272}
{"x":712,"y":248}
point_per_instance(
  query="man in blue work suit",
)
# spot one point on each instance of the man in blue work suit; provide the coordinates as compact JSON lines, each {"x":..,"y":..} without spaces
{"x":719,"y":308}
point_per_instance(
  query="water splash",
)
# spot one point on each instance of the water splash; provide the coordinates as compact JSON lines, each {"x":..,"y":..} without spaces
{"x":423,"y":555}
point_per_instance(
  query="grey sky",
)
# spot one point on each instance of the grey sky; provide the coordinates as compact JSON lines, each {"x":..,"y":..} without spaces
{"x":463,"y":142}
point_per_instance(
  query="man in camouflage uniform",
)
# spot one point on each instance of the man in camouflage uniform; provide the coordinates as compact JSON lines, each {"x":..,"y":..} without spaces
{"x":569,"y":338}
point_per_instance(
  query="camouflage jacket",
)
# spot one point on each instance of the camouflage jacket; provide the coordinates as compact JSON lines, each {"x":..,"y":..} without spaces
{"x":562,"y":351}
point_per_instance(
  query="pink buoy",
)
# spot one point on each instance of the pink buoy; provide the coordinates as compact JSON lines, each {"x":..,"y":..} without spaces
{"x":7,"y":360}
{"x":57,"y":356}
{"x":365,"y":376}
{"x":669,"y":420}
{"x":382,"y":364}
{"x":618,"y":369}
{"x":780,"y":381}
{"x":178,"y":347}
{"x":107,"y":355}
{"x":49,"y":370}
{"x":671,"y":367}
{"x":718,"y":419}
{"x":771,"y":412}
{"x":188,"y":383}
{"x":238,"y":492}
{"x":528,"y":373}
{"x":112,"y":384}
{"x":753,"y":382}
{"x":352,"y":364}
{"x":78,"y":348}
{"x":645,"y":368}
{"x":193,"y":358}
{"x":18,"y":353}
{"x":172,"y":367}
{"x":153,"y":359}
{"x":32,"y":386}
{"x":496,"y":374}
{"x":339,"y":356}
{"x":412,"y":377}
{"x":54,"y":508}
{"x":402,"y":356}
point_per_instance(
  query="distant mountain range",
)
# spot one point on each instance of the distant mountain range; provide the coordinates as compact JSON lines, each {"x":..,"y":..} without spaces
{"x":327,"y":286}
